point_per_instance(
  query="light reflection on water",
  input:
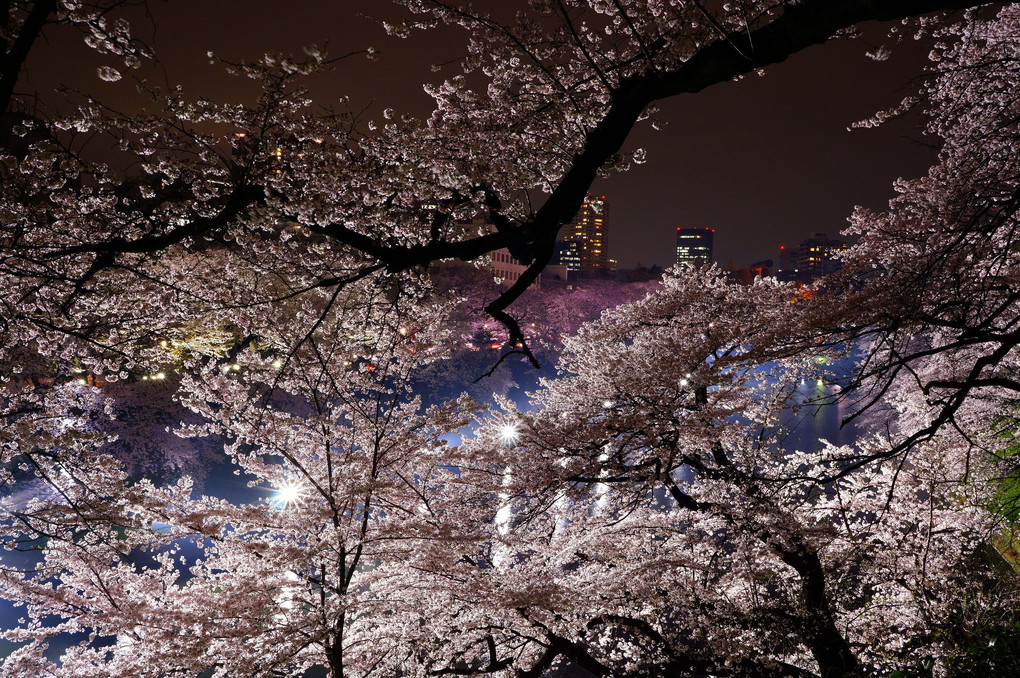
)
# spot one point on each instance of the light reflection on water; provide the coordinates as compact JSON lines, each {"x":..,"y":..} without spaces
{"x":819,"y":416}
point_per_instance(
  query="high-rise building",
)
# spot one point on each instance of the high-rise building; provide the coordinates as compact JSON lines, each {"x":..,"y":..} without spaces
{"x":816,"y":256}
{"x":694,"y":246}
{"x":568,"y":253}
{"x":584,"y":247}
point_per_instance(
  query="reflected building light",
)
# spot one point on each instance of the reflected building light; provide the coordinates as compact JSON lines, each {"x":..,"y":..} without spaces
{"x":500,"y":552}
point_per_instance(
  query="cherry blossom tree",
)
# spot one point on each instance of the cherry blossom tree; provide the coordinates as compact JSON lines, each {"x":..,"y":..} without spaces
{"x":655,"y":522}
{"x":560,"y":99}
{"x":342,"y":463}
{"x":931,"y":277}
{"x":645,"y":515}
{"x":23,"y":23}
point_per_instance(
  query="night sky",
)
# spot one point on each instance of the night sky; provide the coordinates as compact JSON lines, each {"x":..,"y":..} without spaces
{"x":764,"y":161}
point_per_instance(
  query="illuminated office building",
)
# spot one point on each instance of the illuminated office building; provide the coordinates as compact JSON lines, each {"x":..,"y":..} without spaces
{"x":584,"y":248}
{"x":816,"y":256}
{"x":694,"y":247}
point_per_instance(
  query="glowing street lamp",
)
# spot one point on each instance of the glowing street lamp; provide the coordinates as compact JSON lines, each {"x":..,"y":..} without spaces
{"x":286,"y":495}
{"x":508,"y":434}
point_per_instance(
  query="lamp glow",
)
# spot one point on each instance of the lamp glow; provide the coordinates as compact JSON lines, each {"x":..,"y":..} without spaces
{"x":286,"y":495}
{"x":508,"y":433}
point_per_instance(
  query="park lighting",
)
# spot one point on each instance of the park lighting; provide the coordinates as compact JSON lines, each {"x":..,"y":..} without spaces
{"x":277,"y":363}
{"x":286,"y":495}
{"x":508,"y":433}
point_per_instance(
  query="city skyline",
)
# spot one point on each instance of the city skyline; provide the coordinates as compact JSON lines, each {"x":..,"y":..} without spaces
{"x":764,"y":160}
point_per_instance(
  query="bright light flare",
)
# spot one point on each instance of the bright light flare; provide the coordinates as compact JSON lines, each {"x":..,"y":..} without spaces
{"x":288,"y":494}
{"x":508,"y":433}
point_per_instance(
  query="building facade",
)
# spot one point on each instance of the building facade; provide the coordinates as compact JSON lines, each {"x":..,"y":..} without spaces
{"x":584,"y":247}
{"x":694,"y":247}
{"x":506,"y":269}
{"x":816,"y":256}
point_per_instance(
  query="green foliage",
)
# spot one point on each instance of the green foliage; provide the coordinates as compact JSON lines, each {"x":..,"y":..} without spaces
{"x":1007,"y":496}
{"x":979,"y":636}
{"x":988,"y":649}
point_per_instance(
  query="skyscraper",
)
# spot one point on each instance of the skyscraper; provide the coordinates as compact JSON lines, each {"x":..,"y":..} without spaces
{"x":694,"y":246}
{"x":584,"y":247}
{"x":816,"y":256}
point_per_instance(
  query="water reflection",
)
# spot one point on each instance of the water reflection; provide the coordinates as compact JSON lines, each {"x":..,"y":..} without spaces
{"x":816,"y":413}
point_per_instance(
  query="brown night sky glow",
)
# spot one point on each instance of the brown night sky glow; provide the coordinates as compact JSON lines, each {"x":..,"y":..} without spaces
{"x":765,"y":161}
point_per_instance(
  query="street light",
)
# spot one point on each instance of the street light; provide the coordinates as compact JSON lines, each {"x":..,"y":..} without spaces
{"x":508,"y":433}
{"x":287,"y":494}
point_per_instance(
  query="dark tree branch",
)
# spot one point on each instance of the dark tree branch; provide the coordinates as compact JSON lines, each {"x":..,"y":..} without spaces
{"x":14,"y":59}
{"x":800,"y":26}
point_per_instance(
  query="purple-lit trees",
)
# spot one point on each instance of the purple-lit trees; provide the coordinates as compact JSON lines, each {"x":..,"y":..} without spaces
{"x":646,"y":515}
